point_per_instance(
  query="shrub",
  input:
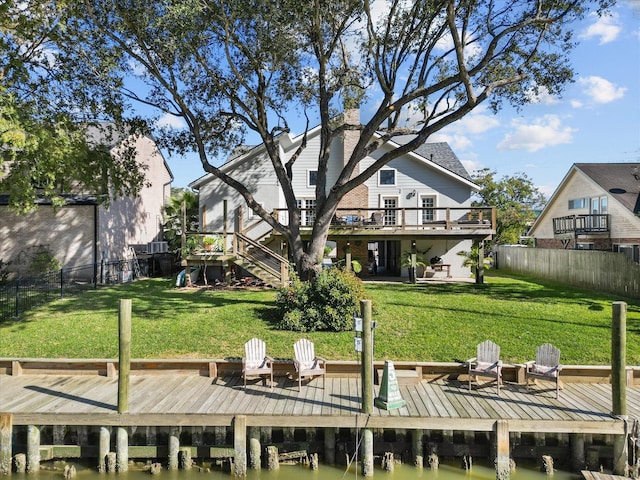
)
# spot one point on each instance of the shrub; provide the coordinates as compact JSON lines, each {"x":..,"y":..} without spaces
{"x":327,"y":303}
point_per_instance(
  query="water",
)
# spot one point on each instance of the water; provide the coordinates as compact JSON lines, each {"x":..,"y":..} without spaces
{"x":298,"y":472}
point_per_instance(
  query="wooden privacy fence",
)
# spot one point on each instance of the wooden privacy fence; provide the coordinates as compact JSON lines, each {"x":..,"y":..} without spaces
{"x":603,"y":271}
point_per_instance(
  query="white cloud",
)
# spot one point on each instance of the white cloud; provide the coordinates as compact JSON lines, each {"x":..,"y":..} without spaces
{"x":546,"y":131}
{"x":601,"y":90}
{"x":606,"y":28}
{"x":543,"y":97}
{"x":170,"y":121}
{"x":576,"y":103}
{"x":456,"y":142}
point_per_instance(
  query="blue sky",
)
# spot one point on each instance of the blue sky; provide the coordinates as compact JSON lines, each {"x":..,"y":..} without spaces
{"x":596,"y":120}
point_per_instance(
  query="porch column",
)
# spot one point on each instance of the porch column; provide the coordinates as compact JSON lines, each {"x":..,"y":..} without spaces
{"x":480,"y":265}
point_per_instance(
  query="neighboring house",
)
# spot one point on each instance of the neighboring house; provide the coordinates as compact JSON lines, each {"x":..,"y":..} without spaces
{"x":422,"y":197}
{"x":595,"y":207}
{"x":83,"y":232}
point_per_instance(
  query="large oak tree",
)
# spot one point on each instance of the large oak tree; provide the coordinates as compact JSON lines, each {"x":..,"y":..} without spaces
{"x":228,"y":67}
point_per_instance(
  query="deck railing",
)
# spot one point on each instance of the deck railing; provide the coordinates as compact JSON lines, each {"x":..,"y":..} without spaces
{"x":414,"y":218}
{"x":581,"y":224}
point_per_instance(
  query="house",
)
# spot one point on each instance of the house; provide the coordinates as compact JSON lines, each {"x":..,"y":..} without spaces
{"x":421,"y":200}
{"x":595,"y":207}
{"x":83,"y":231}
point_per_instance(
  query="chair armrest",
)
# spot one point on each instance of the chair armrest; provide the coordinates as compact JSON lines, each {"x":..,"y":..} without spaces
{"x":320,"y":359}
{"x":470,"y":361}
{"x":268,"y":359}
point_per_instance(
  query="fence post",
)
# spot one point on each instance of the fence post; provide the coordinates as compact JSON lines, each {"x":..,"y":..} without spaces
{"x":17,"y":304}
{"x":62,"y":283}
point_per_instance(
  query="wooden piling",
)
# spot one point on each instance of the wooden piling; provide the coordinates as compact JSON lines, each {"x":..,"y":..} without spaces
{"x":33,"y":449}
{"x":618,"y":358}
{"x":174,"y":448}
{"x":255,"y":448}
{"x":619,"y":381}
{"x":273,"y":459}
{"x":503,"y":468}
{"x":6,"y":433}
{"x":367,"y":452}
{"x":240,"y":445}
{"x":577,"y":452}
{"x":124,"y":364}
{"x":330,"y":446}
{"x":122,"y":450}
{"x":416,"y":448}
{"x":103,"y":448}
{"x":367,"y":357}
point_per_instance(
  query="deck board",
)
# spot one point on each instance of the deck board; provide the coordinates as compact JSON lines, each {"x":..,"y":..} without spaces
{"x":186,"y":396}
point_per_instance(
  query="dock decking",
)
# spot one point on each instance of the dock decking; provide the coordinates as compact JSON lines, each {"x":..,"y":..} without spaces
{"x":192,"y":400}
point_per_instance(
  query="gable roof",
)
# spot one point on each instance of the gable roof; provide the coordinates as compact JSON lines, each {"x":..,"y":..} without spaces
{"x":440,"y":154}
{"x":620,"y":180}
{"x":608,"y":176}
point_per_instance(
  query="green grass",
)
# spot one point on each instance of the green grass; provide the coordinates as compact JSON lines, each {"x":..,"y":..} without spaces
{"x":415,"y":322}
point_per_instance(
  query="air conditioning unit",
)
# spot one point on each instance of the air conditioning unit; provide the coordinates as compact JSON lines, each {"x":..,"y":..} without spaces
{"x":157,"y":247}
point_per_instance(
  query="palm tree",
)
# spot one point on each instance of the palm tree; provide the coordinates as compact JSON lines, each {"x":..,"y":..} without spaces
{"x":174,"y":217}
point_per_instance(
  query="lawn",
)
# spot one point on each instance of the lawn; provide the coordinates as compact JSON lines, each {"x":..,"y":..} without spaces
{"x":415,"y":322}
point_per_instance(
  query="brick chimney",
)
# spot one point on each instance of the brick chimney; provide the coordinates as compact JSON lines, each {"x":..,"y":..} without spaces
{"x":359,"y":196}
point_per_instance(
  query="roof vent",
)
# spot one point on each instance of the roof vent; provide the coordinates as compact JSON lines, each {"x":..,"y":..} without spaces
{"x":617,"y":190}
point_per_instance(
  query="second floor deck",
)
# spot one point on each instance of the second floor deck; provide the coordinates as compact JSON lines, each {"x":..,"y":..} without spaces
{"x":574,"y":225}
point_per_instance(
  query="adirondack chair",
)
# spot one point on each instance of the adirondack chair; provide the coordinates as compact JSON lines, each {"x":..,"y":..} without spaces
{"x":487,"y":363}
{"x":306,"y":362}
{"x":546,"y":366}
{"x":256,"y":362}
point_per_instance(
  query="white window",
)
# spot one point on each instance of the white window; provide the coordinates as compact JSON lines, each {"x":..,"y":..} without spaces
{"x":307,"y":208}
{"x":387,"y":177}
{"x":578,"y":203}
{"x":390,"y":213}
{"x":428,"y":203}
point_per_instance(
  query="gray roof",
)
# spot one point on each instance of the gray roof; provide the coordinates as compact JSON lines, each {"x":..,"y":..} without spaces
{"x":439,"y":153}
{"x":620,"y":180}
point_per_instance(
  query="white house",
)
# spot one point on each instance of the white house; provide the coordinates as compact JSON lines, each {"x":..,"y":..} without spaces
{"x":422,"y":197}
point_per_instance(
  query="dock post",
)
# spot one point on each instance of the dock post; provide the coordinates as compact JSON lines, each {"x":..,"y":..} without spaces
{"x":103,"y":448}
{"x":174,"y":448}
{"x":33,"y":449}
{"x":330,"y":445}
{"x":503,"y":469}
{"x":367,"y":357}
{"x":122,"y":450}
{"x":6,"y":432}
{"x":240,"y":445}
{"x":416,"y":448}
{"x":577,"y":452}
{"x":618,"y":381}
{"x":367,"y":452}
{"x":124,"y":364}
{"x":255,"y":448}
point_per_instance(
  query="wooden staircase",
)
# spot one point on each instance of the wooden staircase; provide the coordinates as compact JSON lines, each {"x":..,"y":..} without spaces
{"x":260,"y":261}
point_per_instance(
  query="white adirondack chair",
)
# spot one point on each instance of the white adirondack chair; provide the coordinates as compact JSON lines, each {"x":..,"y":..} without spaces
{"x":306,"y":362}
{"x":546,"y":366}
{"x":256,"y":362}
{"x":487,"y":363}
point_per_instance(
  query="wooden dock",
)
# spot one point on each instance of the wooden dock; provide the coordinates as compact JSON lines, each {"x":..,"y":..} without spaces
{"x":193,"y":400}
{"x":199,"y":396}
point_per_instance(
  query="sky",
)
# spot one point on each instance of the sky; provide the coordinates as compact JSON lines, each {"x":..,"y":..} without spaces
{"x":597,"y":119}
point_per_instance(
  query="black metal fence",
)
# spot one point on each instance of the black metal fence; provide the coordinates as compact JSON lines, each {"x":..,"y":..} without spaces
{"x":23,"y":294}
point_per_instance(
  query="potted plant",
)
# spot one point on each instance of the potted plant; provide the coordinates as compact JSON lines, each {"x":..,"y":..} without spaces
{"x":212,"y":243}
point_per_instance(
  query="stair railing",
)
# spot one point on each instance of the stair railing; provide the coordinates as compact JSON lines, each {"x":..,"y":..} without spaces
{"x":263,"y":257}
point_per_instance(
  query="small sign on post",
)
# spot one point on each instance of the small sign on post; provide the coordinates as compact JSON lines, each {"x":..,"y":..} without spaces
{"x":389,"y":397}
